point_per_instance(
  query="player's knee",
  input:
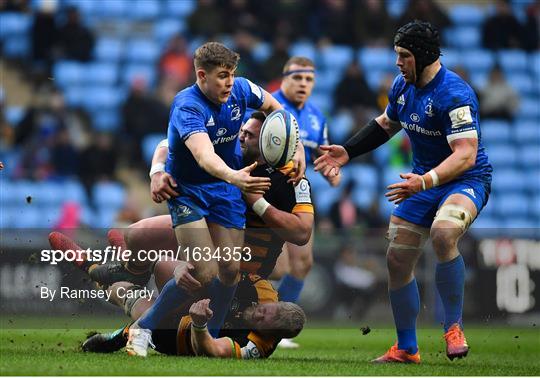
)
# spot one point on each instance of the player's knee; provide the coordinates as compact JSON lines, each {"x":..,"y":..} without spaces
{"x":444,"y":240}
{"x":205,"y":275}
{"x":300,"y":268}
{"x":396,"y":261}
{"x":228,"y":273}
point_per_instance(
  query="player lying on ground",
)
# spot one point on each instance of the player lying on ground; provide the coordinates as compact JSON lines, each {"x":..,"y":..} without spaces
{"x":254,"y":324}
{"x":208,"y":212}
{"x":449,"y":185}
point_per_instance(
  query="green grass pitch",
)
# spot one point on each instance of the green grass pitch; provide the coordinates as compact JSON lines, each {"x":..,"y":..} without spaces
{"x":324,"y":351}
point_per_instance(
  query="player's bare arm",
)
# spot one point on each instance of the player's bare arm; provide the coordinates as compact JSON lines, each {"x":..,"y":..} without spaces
{"x":162,"y":184}
{"x":291,"y":227}
{"x":377,"y":132}
{"x":462,"y":158}
{"x":202,"y":149}
{"x":202,"y":342}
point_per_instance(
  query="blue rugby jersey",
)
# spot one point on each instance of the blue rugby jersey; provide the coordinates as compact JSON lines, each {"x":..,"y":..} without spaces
{"x":444,"y":110}
{"x":311,"y":122}
{"x":192,"y":112}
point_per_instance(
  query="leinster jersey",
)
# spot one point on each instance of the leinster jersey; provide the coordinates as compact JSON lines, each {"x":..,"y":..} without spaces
{"x":444,"y":110}
{"x":311,"y":122}
{"x":192,"y":112}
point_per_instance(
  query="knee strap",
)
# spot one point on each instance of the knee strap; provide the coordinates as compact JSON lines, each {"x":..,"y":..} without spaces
{"x":393,"y":230}
{"x":130,"y":302}
{"x":456,"y":214}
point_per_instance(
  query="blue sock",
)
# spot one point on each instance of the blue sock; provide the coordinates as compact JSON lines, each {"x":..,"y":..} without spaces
{"x":450,"y":280}
{"x":220,"y":301}
{"x":405,"y":306}
{"x":290,"y":289}
{"x":170,"y":297}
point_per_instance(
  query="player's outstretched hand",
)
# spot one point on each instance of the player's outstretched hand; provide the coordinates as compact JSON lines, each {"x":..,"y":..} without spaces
{"x":299,"y":164}
{"x":400,"y":191}
{"x":184,"y":279}
{"x":250,"y":184}
{"x":200,"y":312}
{"x":334,"y":158}
{"x":162,"y":187}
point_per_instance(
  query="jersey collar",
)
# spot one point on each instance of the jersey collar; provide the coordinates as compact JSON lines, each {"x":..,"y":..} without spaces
{"x":435,"y":81}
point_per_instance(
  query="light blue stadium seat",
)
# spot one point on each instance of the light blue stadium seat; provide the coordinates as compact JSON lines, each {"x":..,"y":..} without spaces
{"x":336,"y":57}
{"x":164,"y":29}
{"x":180,"y":9}
{"x":88,"y":216}
{"x":375,"y":77}
{"x":493,"y":131}
{"x":534,"y":63}
{"x":109,"y":49}
{"x":486,"y":226}
{"x":522,"y":83}
{"x":514,"y":205}
{"x":364,"y":175}
{"x":463,"y":37}
{"x":381,"y":155}
{"x":303,"y":48}
{"x":533,"y":181}
{"x":86,"y":7}
{"x":391,"y":176}
{"x":323,"y":194}
{"x":363,"y":198}
{"x":14,"y":114}
{"x":101,"y":73}
{"x":113,"y":9}
{"x":530,"y":108}
{"x":529,"y":156}
{"x":49,"y":193}
{"x":74,"y":95}
{"x":73,"y":191}
{"x":521,"y":228}
{"x":142,"y":51}
{"x":262,"y":51}
{"x":489,"y":209}
{"x":104,"y":218}
{"x":477,"y":60}
{"x":26,"y":217}
{"x":395,"y":8}
{"x":385,"y":207}
{"x":509,"y":180}
{"x":526,"y":131}
{"x":99,"y":98}
{"x":144,"y":9}
{"x":145,"y":71}
{"x":466,"y":15}
{"x":14,"y":23}
{"x":535,"y":207}
{"x":502,"y":155}
{"x":327,"y":79}
{"x":452,"y":57}
{"x":478,"y":79}
{"x":340,"y":126}
{"x":16,"y":46}
{"x":513,"y":60}
{"x":106,"y":120}
{"x":51,"y":216}
{"x":108,"y":195}
{"x":377,"y":58}
{"x":149,"y":145}
{"x":68,"y":73}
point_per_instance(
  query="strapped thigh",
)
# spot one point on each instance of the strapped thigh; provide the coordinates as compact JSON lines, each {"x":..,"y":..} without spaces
{"x":456,"y":214}
{"x":393,"y":231}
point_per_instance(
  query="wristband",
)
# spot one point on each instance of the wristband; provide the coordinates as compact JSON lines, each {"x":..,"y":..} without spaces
{"x":163,"y":143}
{"x":434,"y":178}
{"x":158,"y":167}
{"x":202,"y":328}
{"x":423,"y":183}
{"x":260,"y":206}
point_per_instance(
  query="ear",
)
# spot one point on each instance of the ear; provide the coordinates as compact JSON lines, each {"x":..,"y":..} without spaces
{"x":201,"y":74}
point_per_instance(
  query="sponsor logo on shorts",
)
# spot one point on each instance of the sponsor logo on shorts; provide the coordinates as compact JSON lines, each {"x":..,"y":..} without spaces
{"x":183,"y":211}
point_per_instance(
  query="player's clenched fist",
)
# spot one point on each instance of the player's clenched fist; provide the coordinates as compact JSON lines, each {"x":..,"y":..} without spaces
{"x":200,"y":312}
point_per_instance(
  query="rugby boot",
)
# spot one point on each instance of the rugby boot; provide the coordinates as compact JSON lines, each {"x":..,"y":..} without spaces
{"x":456,"y":344}
{"x":107,"y":274}
{"x":398,"y":355}
{"x":288,"y":344}
{"x":106,"y":342}
{"x":61,"y":242}
{"x":138,"y":341}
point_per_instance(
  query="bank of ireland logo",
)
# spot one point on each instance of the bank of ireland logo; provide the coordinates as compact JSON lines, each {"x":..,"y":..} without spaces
{"x":221,"y":131}
{"x":235,"y":113}
{"x":415,"y":117}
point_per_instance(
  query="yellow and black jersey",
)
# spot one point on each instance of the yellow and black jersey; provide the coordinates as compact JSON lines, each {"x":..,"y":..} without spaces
{"x":264,"y":243}
{"x":246,"y":343}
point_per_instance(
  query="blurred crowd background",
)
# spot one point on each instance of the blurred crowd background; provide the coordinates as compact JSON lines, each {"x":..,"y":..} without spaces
{"x":86,"y":87}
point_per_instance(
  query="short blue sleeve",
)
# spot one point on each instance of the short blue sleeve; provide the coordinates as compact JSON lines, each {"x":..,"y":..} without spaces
{"x":253,"y":94}
{"x":391,"y":108}
{"x":188,"y":120}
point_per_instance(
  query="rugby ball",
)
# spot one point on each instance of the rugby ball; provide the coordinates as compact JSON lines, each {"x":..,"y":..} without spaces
{"x":279,"y":138}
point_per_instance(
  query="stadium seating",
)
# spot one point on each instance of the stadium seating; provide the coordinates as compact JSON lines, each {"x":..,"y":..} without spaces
{"x":109,"y":195}
{"x":513,"y":61}
{"x":463,"y":37}
{"x":466,"y":15}
{"x":164,"y":29}
{"x":109,"y":49}
{"x":149,"y":144}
